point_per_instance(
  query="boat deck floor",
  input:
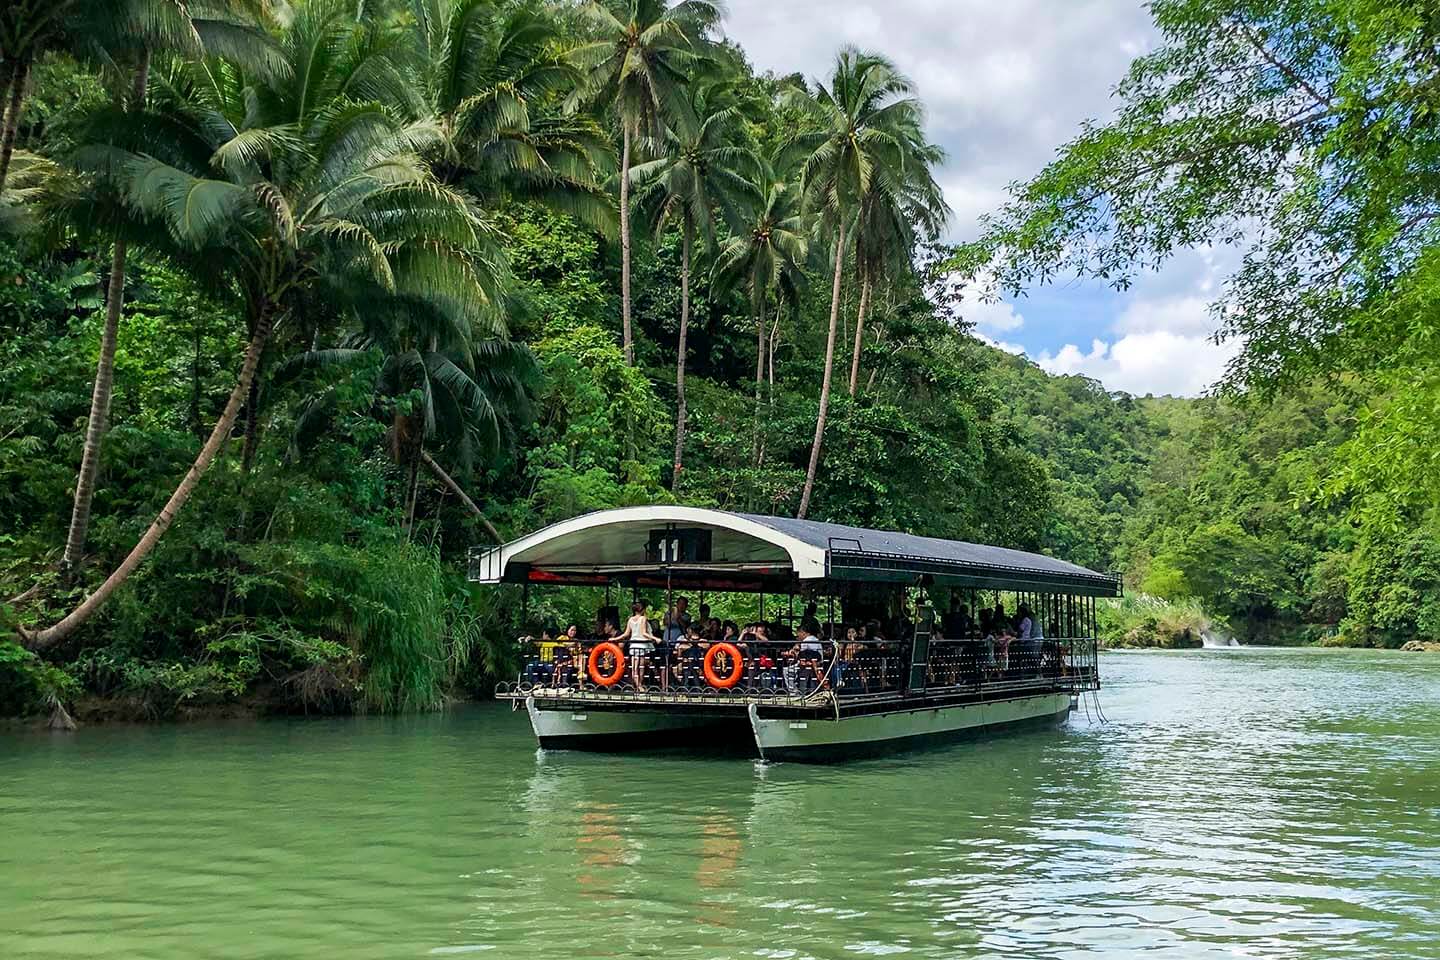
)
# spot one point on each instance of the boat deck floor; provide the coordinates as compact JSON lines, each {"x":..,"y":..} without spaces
{"x":817,"y":703}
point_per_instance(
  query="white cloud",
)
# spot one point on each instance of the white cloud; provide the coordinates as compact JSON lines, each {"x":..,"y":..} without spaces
{"x":1187,"y":315}
{"x":1005,"y":83}
{"x":997,"y":316}
{"x":1005,"y":345}
{"x":1153,"y":362}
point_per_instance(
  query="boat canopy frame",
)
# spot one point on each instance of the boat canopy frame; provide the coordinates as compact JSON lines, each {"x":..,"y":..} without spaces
{"x":750,"y":553}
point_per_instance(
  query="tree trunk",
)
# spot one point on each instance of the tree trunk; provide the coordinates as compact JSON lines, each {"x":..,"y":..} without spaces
{"x":196,"y":424}
{"x":680,"y":411}
{"x":770,"y":355}
{"x":769,"y":341}
{"x":20,"y":74}
{"x":454,"y":488}
{"x":757,"y":306}
{"x":99,"y":413}
{"x":53,"y":635}
{"x":825,"y":383}
{"x":98,"y":423}
{"x":413,"y":493}
{"x":625,"y":244}
{"x":859,"y":329}
{"x":7,"y":77}
{"x":252,"y":423}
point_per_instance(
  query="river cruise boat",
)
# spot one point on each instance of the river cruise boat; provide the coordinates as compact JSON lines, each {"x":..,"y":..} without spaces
{"x":825,"y":642}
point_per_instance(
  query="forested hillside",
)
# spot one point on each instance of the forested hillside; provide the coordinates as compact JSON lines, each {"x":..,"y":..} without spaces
{"x":298,"y":305}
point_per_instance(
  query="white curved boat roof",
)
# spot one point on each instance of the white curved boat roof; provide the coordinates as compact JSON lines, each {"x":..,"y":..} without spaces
{"x":597,"y":546}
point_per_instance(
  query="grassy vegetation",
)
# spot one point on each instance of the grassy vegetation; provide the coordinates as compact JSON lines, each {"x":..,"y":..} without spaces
{"x":1141,"y":620}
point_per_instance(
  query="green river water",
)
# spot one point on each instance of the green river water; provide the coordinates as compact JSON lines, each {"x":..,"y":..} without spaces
{"x":1238,"y":803}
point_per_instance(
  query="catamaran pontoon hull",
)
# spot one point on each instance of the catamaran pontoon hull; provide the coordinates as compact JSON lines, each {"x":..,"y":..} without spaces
{"x":584,"y":727}
{"x":826,"y":741}
{"x":785,"y":737}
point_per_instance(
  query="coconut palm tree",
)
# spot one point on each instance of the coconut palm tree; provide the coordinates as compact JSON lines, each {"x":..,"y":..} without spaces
{"x":472,"y":394}
{"x":766,"y":254}
{"x":496,"y":78}
{"x":28,"y":29}
{"x":696,"y":175}
{"x":864,"y":125}
{"x":115,"y":33}
{"x":336,"y":200}
{"x":641,"y":59}
{"x":130,"y":34}
{"x":893,"y":217}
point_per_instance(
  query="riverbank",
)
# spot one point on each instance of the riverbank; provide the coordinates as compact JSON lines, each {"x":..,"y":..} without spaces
{"x":129,"y":710}
{"x":1142,"y":621}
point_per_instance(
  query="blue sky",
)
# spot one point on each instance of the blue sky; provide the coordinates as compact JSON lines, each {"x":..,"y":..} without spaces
{"x":1006,"y":83}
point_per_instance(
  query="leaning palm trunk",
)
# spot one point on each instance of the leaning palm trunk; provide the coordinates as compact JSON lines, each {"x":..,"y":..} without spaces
{"x":680,"y":411}
{"x":7,"y":78}
{"x":98,"y":423}
{"x":53,"y":635}
{"x":825,"y":383}
{"x":625,"y":244}
{"x":19,"y":74}
{"x":252,"y":424}
{"x":99,"y":413}
{"x":859,"y":329}
{"x":455,"y":488}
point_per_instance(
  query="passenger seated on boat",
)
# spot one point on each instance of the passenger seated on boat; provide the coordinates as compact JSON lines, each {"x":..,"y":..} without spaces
{"x":662,"y":660}
{"x":809,"y":649}
{"x":642,"y":642}
{"x":690,"y":658}
{"x":957,"y":622}
{"x":808,"y":644}
{"x":863,"y":655}
{"x":564,"y":674}
{"x":945,"y":658}
{"x":713,"y":630}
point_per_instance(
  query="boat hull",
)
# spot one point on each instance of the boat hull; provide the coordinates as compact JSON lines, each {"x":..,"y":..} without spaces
{"x":787,"y":738}
{"x":591,"y":729}
{"x":829,"y":741}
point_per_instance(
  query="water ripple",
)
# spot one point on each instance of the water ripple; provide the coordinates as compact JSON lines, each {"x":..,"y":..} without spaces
{"x":1266,"y":804}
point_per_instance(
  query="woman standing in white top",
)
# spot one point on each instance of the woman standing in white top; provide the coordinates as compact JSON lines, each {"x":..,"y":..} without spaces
{"x":642,"y":641}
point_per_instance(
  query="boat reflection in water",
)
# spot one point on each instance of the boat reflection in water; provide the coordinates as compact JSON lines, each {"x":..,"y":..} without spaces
{"x":867,"y":665}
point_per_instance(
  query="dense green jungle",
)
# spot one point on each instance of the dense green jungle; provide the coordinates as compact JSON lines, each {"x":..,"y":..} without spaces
{"x":299,"y":301}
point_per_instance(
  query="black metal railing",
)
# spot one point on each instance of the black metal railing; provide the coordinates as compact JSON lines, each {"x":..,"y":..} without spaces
{"x":773,"y":672}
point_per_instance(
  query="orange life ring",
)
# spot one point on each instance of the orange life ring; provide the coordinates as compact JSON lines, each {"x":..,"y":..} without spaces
{"x":733,"y":652}
{"x":612,"y":678}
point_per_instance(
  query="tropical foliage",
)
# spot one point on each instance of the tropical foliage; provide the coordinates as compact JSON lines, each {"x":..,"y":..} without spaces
{"x":301,"y":300}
